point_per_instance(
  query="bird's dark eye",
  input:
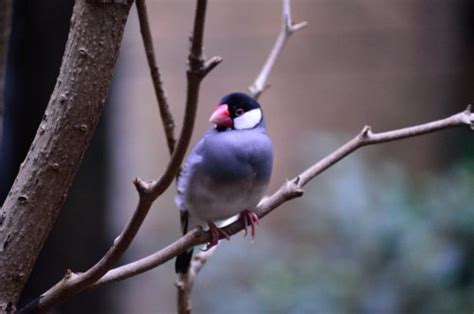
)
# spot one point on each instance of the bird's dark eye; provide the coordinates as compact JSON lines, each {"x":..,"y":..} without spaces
{"x":239,"y":112}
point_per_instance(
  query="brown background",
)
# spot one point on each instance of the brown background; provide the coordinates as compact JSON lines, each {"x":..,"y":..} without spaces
{"x":385,"y":63}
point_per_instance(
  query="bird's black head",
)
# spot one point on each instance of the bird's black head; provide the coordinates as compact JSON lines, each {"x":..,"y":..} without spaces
{"x":239,"y":103}
{"x":238,"y":111}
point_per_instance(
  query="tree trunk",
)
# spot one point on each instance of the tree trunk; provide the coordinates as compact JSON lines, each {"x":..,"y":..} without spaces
{"x":68,"y":124}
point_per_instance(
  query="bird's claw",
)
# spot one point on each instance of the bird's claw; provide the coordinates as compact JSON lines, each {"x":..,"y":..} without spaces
{"x":250,"y":219}
{"x":215,"y":233}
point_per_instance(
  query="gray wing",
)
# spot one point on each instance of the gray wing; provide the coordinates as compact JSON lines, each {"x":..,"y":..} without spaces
{"x":184,"y":259}
{"x":242,"y":154}
{"x":189,"y":167}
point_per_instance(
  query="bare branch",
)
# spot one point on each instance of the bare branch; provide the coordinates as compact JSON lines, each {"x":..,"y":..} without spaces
{"x":288,"y":28}
{"x":289,"y":190}
{"x":166,"y":116}
{"x":366,"y":137}
{"x":185,"y":282}
{"x":210,"y":64}
{"x":148,"y":191}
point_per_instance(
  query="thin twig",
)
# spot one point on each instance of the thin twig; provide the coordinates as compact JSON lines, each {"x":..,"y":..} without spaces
{"x":185,"y":282}
{"x":163,"y":105}
{"x":289,"y":190}
{"x":198,"y":68}
{"x":288,"y":28}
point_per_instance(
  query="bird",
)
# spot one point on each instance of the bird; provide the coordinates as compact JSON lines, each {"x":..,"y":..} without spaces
{"x":226,"y":173}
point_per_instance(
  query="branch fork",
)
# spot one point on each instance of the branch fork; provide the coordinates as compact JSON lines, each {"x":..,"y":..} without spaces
{"x":288,"y":28}
{"x":199,"y":66}
{"x":141,"y":186}
{"x":288,"y":25}
{"x":210,"y":64}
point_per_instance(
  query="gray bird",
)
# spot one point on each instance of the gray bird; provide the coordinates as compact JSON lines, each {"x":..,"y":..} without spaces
{"x":227,"y":172}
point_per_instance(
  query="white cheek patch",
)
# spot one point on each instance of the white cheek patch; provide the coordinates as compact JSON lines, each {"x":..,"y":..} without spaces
{"x":248,"y":120}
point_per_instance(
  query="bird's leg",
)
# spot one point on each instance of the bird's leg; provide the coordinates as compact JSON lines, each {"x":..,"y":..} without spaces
{"x":246,"y":223}
{"x":215,"y":233}
{"x":249,"y":218}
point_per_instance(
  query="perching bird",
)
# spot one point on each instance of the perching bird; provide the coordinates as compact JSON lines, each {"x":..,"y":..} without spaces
{"x":227,"y":172}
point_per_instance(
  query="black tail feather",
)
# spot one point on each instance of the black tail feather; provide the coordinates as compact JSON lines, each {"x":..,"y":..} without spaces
{"x":183,"y":261}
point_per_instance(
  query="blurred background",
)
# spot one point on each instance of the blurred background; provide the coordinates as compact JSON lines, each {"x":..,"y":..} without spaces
{"x":387,"y":230}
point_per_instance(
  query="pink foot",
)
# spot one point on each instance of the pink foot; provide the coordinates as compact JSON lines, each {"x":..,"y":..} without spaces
{"x":215,"y":233}
{"x":250,"y":219}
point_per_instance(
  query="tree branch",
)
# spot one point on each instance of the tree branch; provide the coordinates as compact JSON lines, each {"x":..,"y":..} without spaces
{"x":288,"y":191}
{"x":69,"y":122}
{"x":288,"y":28}
{"x":166,"y":116}
{"x":73,"y":283}
{"x":185,"y":282}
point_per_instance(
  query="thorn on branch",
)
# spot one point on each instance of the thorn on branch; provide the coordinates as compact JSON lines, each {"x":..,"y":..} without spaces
{"x":468,"y":109}
{"x":297,"y":27}
{"x":366,"y":132}
{"x":468,"y":117}
{"x":69,"y":273}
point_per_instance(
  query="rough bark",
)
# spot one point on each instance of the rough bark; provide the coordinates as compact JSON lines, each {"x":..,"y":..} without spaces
{"x":45,"y":176}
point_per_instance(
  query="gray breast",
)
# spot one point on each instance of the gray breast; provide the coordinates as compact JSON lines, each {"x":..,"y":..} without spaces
{"x":230,"y":172}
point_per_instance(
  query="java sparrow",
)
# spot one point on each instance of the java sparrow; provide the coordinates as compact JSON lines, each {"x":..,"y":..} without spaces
{"x":227,"y":172}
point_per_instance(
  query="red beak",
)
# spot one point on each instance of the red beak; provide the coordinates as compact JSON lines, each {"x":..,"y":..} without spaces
{"x":221,"y":116}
